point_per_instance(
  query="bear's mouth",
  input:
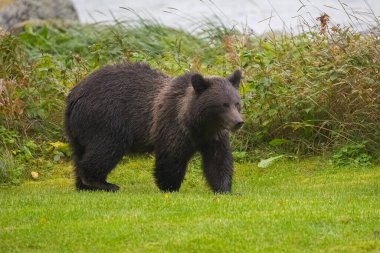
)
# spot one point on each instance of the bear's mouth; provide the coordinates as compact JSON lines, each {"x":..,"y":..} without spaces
{"x":236,"y":127}
{"x":229,"y":127}
{"x":232,"y":127}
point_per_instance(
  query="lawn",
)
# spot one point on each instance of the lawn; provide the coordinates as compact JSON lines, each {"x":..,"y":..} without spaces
{"x":292,"y":206}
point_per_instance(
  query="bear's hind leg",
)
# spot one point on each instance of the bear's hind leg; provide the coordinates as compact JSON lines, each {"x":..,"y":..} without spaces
{"x":95,"y":186}
{"x":92,"y":170}
{"x":78,"y":153}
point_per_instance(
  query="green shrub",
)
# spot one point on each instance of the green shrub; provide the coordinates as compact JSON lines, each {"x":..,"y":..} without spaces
{"x":352,"y":154}
{"x":316,"y":91}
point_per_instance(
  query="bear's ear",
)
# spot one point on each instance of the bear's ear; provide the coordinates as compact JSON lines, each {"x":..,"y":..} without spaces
{"x":235,"y":78}
{"x":199,"y":83}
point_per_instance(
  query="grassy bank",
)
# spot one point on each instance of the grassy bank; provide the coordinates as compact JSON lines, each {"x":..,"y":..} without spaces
{"x":294,"y":206}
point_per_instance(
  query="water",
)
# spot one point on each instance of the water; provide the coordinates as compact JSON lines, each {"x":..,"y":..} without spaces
{"x":259,"y":16}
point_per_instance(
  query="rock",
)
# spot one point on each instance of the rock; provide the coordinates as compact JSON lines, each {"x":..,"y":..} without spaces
{"x":16,"y":12}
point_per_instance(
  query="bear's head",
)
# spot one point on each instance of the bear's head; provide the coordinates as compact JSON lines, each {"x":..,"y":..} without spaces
{"x":217,"y":101}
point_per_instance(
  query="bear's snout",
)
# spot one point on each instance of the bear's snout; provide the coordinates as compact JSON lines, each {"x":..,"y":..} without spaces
{"x":238,"y":125}
{"x":233,"y":121}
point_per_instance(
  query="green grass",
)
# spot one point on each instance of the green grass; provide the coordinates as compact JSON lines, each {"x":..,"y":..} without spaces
{"x":293,"y":206}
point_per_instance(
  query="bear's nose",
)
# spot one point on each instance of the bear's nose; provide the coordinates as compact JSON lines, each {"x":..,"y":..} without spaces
{"x":238,"y":125}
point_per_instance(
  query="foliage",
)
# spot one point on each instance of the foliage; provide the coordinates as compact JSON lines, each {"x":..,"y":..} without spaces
{"x":239,"y":156}
{"x":59,"y":150}
{"x":353,"y":154}
{"x":11,"y":171}
{"x":315,"y":90}
{"x":302,"y":94}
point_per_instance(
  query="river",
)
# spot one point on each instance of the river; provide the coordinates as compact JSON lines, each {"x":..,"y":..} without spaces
{"x":257,"y":16}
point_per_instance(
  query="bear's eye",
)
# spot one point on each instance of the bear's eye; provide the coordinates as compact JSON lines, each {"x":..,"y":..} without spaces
{"x":226,"y":105}
{"x":237,"y":106}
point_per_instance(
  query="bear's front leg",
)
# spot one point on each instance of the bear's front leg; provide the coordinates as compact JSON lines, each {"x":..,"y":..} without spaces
{"x":170,"y":168}
{"x":217,"y":163}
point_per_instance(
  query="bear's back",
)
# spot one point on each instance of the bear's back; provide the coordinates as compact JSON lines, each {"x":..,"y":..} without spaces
{"x":125,"y":80}
{"x":119,"y":98}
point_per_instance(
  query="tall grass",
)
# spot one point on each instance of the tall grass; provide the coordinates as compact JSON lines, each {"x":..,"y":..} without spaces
{"x":313,"y":90}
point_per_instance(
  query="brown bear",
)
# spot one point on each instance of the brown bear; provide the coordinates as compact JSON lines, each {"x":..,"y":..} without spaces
{"x":132,"y":108}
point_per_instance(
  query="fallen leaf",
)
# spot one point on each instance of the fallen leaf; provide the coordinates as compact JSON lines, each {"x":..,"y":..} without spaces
{"x":267,"y":162}
{"x":34,"y":174}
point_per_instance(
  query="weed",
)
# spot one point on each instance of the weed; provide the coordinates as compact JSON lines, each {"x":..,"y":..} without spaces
{"x":352,"y":154}
{"x":239,"y":156}
{"x":11,"y":171}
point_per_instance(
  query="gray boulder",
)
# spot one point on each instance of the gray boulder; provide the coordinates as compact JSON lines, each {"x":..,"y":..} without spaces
{"x":16,"y":12}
